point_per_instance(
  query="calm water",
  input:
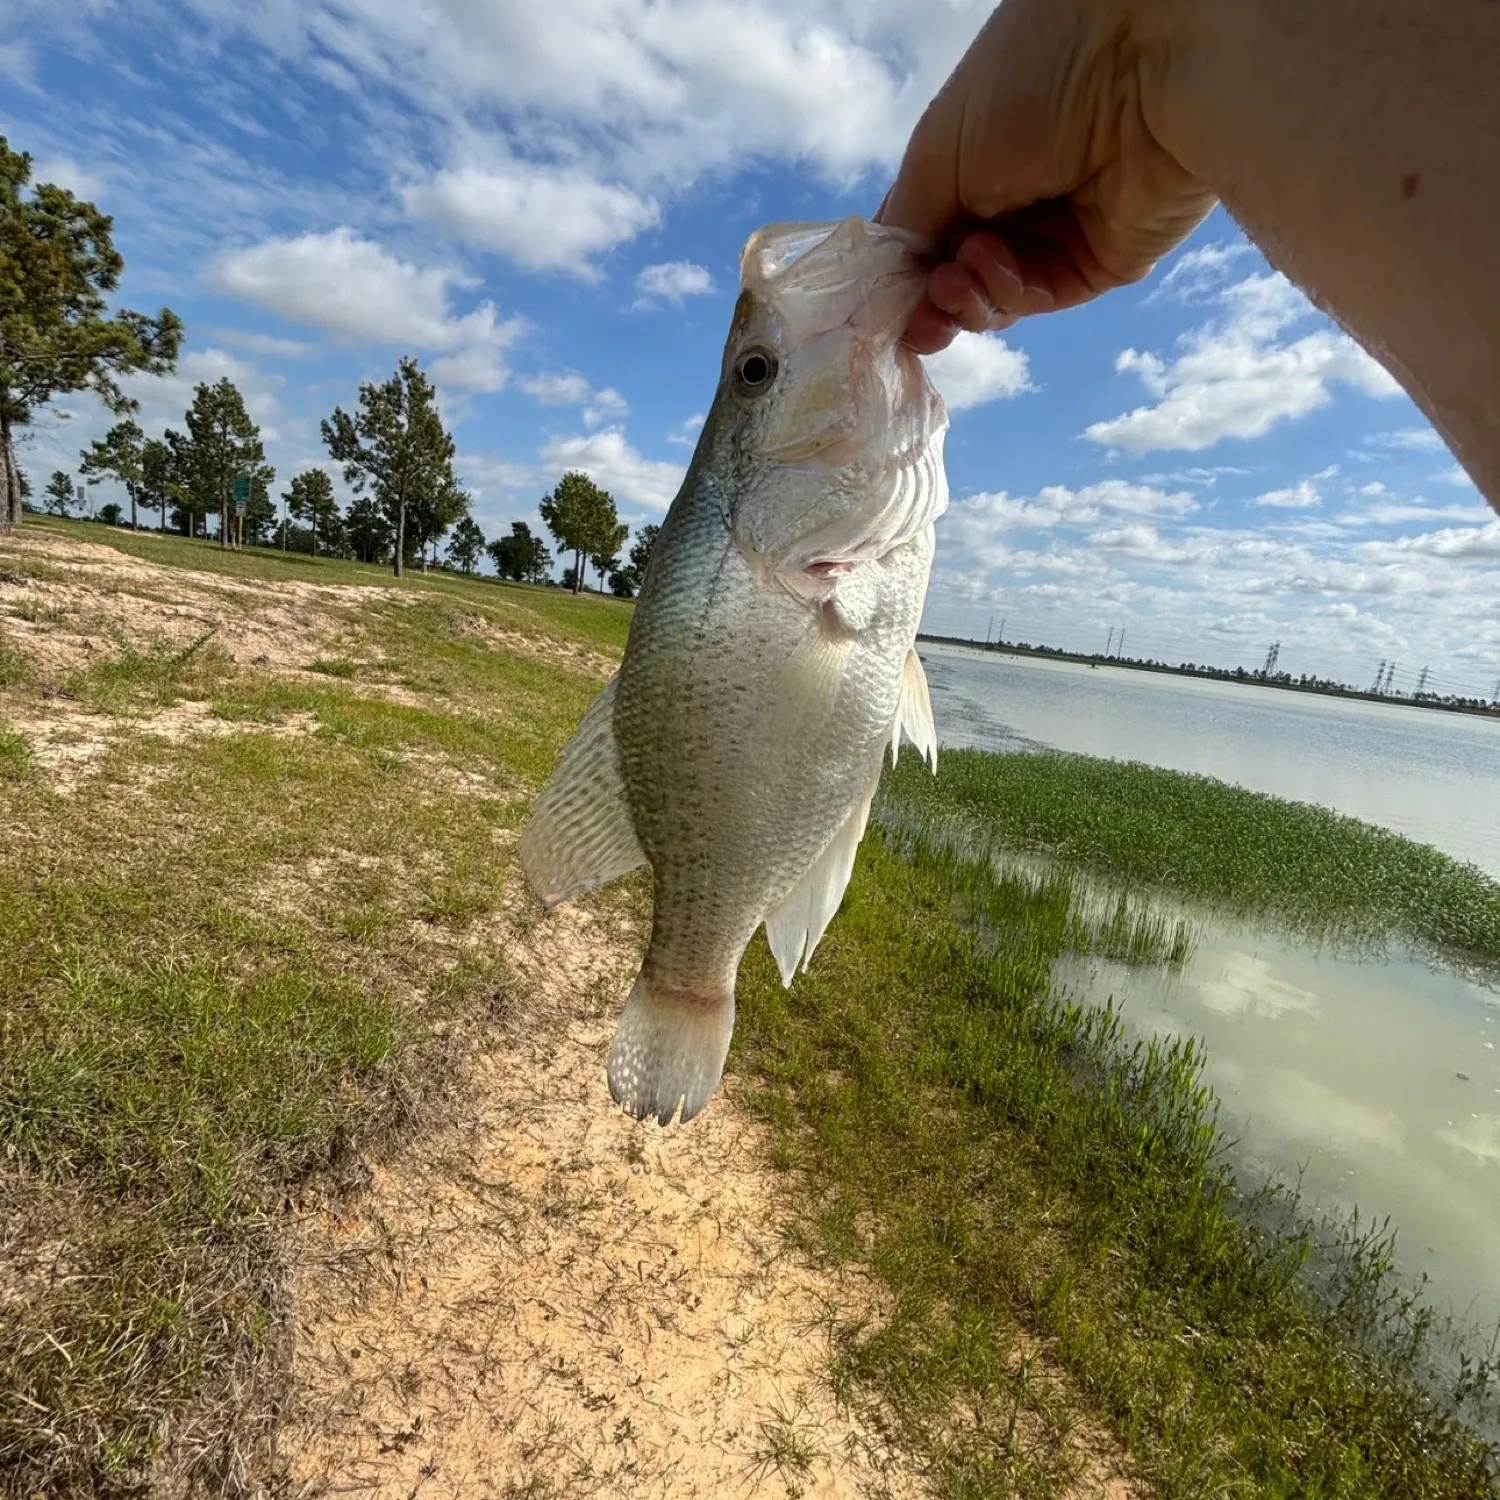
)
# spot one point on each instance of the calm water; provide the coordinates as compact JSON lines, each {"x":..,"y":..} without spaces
{"x":1432,"y":776}
{"x":1378,"y":1083}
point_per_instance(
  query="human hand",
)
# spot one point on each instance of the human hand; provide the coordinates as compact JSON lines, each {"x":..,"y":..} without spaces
{"x":1041,"y":168}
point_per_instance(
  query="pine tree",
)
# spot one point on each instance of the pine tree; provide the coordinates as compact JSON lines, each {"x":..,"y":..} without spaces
{"x":118,"y":455}
{"x":368,"y":530}
{"x":310,"y":498}
{"x":59,"y":492}
{"x":467,"y":544}
{"x":582,"y":518}
{"x":397,"y":448}
{"x":222,"y":441}
{"x":58,"y":269}
{"x":159,"y":484}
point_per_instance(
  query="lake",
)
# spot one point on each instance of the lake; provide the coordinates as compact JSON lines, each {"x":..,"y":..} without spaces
{"x":1432,"y":776}
{"x":1375,"y":1083}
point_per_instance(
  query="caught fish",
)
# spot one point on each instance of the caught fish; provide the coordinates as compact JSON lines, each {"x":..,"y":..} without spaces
{"x":770,"y":660}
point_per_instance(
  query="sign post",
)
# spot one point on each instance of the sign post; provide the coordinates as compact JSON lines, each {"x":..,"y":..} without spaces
{"x":240,"y":490}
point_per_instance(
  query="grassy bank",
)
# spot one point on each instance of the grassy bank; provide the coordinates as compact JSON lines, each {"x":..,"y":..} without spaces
{"x":1038,"y":1195}
{"x":248,"y":934}
{"x":241,"y":943}
{"x":1312,"y":870}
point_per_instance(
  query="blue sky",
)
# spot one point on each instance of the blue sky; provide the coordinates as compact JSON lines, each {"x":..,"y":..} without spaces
{"x":545,"y":204}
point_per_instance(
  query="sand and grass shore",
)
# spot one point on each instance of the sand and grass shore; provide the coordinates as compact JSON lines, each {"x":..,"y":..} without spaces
{"x":308,"y":1177}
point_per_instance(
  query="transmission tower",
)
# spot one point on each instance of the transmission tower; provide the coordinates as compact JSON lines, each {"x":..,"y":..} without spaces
{"x":1379,"y":676}
{"x":1390,"y":678}
{"x":1421,"y":684}
{"x":1110,"y":642}
{"x":1120,"y":645}
{"x":1273,"y":655}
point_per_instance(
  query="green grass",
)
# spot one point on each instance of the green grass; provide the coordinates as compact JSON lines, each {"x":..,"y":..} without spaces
{"x":1036,"y":1192}
{"x":1312,"y":870}
{"x":233,"y":962}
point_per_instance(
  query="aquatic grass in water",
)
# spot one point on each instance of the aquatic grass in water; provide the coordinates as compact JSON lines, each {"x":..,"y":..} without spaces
{"x":1051,"y":909}
{"x":1038,"y":1192}
{"x":1317,"y":872}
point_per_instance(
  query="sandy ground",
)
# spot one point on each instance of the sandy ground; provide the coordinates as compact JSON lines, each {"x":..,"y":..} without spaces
{"x":546,"y":1298}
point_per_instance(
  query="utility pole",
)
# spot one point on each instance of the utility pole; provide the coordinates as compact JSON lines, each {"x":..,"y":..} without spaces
{"x":1000,"y":639}
{"x":990,"y":630}
{"x":1110,"y":642}
{"x":1120,"y":645}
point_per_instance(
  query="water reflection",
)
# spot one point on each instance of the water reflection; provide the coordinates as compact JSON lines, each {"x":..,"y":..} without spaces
{"x":1376,"y":1083}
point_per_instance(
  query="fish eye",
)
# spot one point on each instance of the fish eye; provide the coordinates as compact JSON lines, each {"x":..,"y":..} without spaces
{"x":754,"y":371}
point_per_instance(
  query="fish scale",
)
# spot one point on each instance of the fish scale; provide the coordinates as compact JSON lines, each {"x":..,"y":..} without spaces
{"x":770,"y":658}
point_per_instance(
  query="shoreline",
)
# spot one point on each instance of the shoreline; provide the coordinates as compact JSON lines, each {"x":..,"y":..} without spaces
{"x":1474,"y":707}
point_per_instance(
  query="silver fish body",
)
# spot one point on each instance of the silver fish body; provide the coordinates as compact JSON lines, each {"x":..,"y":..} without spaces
{"x":770,"y":659}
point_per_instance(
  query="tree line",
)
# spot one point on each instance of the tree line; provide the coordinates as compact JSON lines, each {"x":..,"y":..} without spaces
{"x":58,"y":335}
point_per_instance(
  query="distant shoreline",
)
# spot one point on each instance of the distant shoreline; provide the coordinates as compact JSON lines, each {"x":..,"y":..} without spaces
{"x":1282,"y":680}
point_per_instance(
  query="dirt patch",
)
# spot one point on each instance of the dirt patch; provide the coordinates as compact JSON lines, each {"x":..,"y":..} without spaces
{"x":546,"y":1298}
{"x":67,"y":743}
{"x":88,"y":601}
{"x":543,"y":648}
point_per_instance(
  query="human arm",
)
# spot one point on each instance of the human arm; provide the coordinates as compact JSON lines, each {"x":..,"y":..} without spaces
{"x":1357,"y":142}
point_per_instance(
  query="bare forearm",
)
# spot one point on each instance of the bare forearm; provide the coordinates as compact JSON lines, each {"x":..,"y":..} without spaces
{"x":1358,"y":142}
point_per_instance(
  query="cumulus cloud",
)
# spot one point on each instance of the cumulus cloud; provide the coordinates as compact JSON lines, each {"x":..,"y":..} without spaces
{"x":1296,"y":497}
{"x":598,"y":406}
{"x":360,"y":293}
{"x":979,"y":517}
{"x":672,"y":281}
{"x":977,"y":368}
{"x":545,"y":217}
{"x":1239,"y":377}
{"x":1199,"y":272}
{"x":610,"y":461}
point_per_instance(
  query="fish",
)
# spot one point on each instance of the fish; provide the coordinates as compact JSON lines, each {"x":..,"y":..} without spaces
{"x":771,"y":657}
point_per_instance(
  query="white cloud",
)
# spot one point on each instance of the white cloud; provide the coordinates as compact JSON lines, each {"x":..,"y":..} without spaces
{"x":1409,"y":439}
{"x":1199,"y":272}
{"x":264,"y":343}
{"x":979,"y":518}
{"x":66,"y":173}
{"x":1458,"y":476}
{"x":976,"y":368}
{"x":1299,"y":496}
{"x":1237,"y":378}
{"x":360,"y":293}
{"x":672,"y":281}
{"x":603,"y":405}
{"x":686,"y":434}
{"x":544,"y":217}
{"x":610,"y":461}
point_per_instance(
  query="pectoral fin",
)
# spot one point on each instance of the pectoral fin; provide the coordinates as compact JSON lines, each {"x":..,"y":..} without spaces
{"x":580,"y":834}
{"x":914,"y":712}
{"x":797,"y":926}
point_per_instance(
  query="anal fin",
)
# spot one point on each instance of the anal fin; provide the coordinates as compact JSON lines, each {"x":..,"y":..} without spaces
{"x":580,"y":834}
{"x":914,"y":712}
{"x":797,"y":926}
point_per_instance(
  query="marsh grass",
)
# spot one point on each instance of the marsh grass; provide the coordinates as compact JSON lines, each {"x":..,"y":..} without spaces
{"x":1316,"y":872}
{"x":1016,"y":1170}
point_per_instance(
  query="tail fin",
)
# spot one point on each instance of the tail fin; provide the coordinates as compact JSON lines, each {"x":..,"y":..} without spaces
{"x":669,"y":1050}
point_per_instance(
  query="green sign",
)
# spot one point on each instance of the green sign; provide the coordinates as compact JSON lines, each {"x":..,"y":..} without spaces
{"x":241,"y":489}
